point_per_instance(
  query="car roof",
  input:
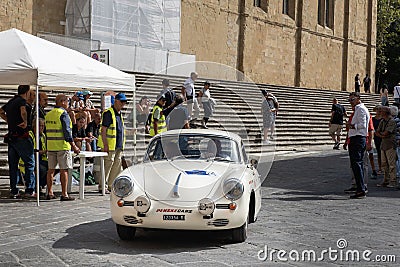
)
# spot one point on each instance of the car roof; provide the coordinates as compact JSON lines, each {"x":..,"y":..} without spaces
{"x":227,"y":134}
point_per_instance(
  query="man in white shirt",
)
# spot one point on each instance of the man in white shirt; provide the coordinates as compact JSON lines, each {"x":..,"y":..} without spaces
{"x":358,"y":131}
{"x":189,"y":95}
{"x":396,"y":93}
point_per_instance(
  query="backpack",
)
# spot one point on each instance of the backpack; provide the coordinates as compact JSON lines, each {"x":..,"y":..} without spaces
{"x":276,"y":104}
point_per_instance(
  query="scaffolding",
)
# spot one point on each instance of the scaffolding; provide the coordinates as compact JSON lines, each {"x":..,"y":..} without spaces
{"x":144,"y":23}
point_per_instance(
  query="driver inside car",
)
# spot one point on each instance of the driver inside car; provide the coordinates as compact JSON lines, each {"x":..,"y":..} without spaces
{"x":171,"y":150}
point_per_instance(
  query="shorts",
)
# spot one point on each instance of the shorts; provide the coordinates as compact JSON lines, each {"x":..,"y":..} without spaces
{"x":62,"y":158}
{"x":335,"y":129}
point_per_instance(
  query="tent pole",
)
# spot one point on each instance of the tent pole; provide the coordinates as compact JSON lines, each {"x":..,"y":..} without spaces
{"x":37,"y":146}
{"x":134,"y":125}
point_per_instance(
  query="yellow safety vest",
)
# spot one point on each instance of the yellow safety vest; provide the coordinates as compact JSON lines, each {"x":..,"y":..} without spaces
{"x":21,"y":165}
{"x":111,"y":132}
{"x":54,"y":131}
{"x":161,"y":123}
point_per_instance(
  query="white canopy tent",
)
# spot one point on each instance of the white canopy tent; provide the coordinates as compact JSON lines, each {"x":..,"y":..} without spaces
{"x":27,"y":59}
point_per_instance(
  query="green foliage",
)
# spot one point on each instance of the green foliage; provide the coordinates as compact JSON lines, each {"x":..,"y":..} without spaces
{"x":388,"y":42}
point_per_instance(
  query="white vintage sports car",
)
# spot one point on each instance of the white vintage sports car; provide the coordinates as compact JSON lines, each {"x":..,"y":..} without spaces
{"x":189,"y":180}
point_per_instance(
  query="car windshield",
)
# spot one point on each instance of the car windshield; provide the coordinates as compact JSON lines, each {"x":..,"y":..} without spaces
{"x":185,"y":146}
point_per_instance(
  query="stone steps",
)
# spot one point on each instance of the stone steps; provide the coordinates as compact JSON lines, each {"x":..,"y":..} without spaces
{"x":302,"y":119}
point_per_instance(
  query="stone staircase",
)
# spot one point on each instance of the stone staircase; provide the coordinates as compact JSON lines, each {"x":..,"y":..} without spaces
{"x":302,"y":120}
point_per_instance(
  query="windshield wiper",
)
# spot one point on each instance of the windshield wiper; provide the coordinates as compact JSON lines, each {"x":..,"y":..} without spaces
{"x":222,"y":159}
{"x":184,"y":156}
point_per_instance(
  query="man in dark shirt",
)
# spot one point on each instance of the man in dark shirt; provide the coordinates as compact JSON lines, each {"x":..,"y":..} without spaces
{"x":19,"y":143}
{"x":93,"y":130}
{"x":79,"y":134}
{"x":112,"y":139}
{"x":179,"y":116}
{"x":168,"y":93}
{"x":30,"y":108}
{"x":367,"y":83}
{"x":336,"y":122}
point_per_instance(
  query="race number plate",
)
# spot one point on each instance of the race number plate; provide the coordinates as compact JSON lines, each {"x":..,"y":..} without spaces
{"x":173,"y":217}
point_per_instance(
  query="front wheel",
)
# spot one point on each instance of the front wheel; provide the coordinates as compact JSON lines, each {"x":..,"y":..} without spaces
{"x":239,"y":234}
{"x":126,"y":233}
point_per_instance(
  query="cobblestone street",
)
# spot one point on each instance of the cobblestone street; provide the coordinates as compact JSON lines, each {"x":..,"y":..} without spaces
{"x":304,"y":208}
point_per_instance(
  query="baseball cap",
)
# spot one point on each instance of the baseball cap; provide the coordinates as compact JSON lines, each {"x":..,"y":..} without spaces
{"x":87,"y":92}
{"x":121,"y":97}
{"x":79,"y":94}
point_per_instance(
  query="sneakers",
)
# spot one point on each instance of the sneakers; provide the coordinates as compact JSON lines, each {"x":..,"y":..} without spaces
{"x":30,"y":195}
{"x":68,"y":198}
{"x":336,"y":146}
{"x":392,"y":185}
{"x":350,"y":190}
{"x":358,"y":195}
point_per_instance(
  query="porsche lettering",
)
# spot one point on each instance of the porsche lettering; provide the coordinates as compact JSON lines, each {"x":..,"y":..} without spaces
{"x":174,"y":210}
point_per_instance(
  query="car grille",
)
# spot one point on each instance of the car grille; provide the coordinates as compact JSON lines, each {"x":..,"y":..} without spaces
{"x":132,"y":219}
{"x":222,"y":206}
{"x":129,"y":203}
{"x":219,"y":222}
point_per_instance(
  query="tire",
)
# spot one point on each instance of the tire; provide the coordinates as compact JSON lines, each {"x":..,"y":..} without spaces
{"x":239,"y":234}
{"x":126,"y":233}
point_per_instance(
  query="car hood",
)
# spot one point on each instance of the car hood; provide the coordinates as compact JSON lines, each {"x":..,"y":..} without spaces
{"x":186,"y":180}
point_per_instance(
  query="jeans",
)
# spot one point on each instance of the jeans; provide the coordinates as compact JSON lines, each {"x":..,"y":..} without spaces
{"x":93,"y":144}
{"x":357,"y":148}
{"x":43,"y":168}
{"x":21,"y":148}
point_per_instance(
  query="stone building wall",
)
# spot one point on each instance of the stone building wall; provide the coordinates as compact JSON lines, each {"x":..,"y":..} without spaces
{"x":47,"y":15}
{"x":268,"y":46}
{"x":209,"y":30}
{"x":280,"y":49}
{"x":33,"y":16}
{"x":16,"y":14}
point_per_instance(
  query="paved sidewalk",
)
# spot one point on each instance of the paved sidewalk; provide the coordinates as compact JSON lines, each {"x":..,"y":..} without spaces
{"x":304,"y":208}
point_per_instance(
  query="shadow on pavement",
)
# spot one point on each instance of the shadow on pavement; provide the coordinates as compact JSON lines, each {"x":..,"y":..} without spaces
{"x":317,"y":178}
{"x":100,"y":237}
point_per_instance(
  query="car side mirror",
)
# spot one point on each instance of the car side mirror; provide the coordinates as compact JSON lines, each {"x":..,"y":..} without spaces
{"x":254,"y":163}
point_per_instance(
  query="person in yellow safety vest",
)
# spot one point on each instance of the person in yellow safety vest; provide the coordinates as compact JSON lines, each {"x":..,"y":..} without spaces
{"x":59,"y":144}
{"x":112,"y":140}
{"x":158,"y":123}
{"x":43,"y":164}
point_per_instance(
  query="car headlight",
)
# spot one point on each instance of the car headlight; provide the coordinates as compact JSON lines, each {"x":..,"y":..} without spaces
{"x":206,"y":206}
{"x":122,"y":186}
{"x":142,"y":204}
{"x":233,"y":189}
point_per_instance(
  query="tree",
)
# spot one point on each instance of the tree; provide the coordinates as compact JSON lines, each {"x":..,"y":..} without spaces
{"x":387,"y":43}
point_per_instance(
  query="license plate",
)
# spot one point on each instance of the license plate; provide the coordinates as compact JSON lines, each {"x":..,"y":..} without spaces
{"x":173,"y":217}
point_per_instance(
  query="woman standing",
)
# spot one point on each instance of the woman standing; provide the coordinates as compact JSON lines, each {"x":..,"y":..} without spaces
{"x":207,"y":102}
{"x":269,"y":110}
{"x":142,"y":110}
{"x":357,"y":83}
